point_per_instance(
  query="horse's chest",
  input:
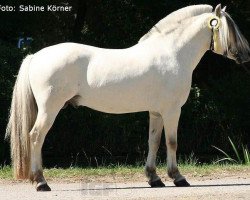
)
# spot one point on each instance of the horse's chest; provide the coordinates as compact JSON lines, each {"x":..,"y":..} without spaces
{"x":176,"y":88}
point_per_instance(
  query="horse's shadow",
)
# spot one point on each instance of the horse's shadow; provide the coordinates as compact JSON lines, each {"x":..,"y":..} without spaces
{"x":148,"y":187}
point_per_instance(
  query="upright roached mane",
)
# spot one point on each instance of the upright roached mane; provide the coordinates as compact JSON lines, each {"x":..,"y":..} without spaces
{"x":174,"y":19}
{"x":154,"y":75}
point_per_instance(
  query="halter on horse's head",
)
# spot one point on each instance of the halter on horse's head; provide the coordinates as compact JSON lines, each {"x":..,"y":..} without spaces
{"x":226,"y":38}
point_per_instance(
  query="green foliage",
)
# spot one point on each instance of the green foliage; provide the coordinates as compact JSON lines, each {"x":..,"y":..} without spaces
{"x":188,"y":160}
{"x":127,"y":171}
{"x":216,"y":109}
{"x":238,"y":159}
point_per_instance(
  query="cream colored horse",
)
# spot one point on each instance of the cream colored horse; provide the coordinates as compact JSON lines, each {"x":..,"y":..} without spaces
{"x":154,"y":75}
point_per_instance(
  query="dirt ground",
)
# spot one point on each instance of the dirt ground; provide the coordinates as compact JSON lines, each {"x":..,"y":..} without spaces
{"x":229,"y":188}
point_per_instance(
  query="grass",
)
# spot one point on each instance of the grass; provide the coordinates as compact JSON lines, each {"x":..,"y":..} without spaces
{"x":189,"y":166}
{"x":132,"y":173}
{"x":238,"y":158}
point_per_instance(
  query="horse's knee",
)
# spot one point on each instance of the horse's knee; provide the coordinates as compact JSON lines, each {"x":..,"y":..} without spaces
{"x":172,"y":143}
{"x":154,"y":139}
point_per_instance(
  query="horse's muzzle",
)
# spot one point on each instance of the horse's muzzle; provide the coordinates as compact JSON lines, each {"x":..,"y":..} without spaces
{"x":242,"y":58}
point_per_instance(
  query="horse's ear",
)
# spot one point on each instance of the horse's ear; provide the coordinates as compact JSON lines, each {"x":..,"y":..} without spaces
{"x":217,"y":10}
{"x":224,"y":9}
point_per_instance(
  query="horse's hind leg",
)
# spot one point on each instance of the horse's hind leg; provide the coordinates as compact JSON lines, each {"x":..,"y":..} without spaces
{"x":155,"y":131}
{"x":45,"y":118}
{"x":170,"y":126}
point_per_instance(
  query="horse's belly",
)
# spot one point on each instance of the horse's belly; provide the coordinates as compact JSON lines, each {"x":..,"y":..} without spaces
{"x":116,"y":104}
{"x":115,"y":109}
{"x":136,"y":97}
{"x":118,"y":99}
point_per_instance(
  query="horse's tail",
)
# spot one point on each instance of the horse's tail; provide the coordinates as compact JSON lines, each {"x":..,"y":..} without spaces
{"x":22,"y":117}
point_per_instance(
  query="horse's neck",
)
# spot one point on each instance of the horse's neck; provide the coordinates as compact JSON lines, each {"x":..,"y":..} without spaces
{"x":193,"y":41}
{"x":187,"y":44}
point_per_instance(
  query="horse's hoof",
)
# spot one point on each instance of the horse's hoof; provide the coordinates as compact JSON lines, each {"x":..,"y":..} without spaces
{"x":157,"y":183}
{"x":43,"y":188}
{"x":181,"y":183}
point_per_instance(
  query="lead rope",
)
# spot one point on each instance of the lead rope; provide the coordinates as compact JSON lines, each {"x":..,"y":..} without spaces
{"x":212,"y":40}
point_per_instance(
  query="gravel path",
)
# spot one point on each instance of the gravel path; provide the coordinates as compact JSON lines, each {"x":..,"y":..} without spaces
{"x":226,"y":189}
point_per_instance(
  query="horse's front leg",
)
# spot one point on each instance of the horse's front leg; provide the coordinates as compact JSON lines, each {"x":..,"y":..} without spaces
{"x":171,"y":120}
{"x":155,"y":132}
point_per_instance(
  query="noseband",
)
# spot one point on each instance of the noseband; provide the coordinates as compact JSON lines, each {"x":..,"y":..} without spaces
{"x":212,"y":40}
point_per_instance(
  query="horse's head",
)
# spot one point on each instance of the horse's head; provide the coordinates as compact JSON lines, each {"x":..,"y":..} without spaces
{"x":227,"y":39}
